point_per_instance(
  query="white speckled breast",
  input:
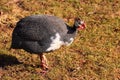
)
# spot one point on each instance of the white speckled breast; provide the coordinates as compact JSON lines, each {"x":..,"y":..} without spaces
{"x":68,"y":43}
{"x":56,"y":42}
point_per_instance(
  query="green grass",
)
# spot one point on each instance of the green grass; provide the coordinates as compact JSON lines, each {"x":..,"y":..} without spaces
{"x":94,"y":55}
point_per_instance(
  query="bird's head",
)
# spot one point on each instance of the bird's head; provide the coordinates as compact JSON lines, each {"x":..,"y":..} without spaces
{"x":79,"y":24}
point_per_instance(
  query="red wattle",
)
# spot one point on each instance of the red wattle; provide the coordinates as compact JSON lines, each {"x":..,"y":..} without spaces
{"x":81,"y":27}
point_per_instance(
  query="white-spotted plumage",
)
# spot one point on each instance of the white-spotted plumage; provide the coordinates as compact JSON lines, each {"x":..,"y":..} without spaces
{"x":68,"y":43}
{"x":56,"y":42}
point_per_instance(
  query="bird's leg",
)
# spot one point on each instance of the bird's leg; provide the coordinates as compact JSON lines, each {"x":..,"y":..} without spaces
{"x":44,"y":62}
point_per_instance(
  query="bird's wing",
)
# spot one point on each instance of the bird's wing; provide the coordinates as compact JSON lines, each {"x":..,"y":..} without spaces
{"x":31,"y":31}
{"x":37,"y":27}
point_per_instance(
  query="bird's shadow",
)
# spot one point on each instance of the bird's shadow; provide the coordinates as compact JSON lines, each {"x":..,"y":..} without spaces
{"x":9,"y":60}
{"x":6,"y":60}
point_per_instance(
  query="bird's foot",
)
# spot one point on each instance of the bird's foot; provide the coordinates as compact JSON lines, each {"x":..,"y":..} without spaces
{"x":44,"y":66}
{"x":43,"y":72}
{"x":44,"y":63}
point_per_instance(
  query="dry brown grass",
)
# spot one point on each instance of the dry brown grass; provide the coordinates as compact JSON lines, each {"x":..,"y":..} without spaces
{"x":94,"y":55}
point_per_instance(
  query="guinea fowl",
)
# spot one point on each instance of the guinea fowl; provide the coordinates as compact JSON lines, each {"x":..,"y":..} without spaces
{"x":40,"y":34}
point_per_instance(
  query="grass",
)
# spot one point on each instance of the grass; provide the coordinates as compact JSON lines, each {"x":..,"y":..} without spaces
{"x":94,"y":55}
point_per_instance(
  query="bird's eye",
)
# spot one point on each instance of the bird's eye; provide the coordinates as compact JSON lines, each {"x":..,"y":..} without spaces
{"x":79,"y":22}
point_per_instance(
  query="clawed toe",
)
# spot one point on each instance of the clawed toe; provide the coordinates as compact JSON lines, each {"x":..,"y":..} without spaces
{"x":44,"y":67}
{"x":44,"y":63}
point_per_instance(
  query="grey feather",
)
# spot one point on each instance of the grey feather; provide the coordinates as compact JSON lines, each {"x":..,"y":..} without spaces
{"x":33,"y":33}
